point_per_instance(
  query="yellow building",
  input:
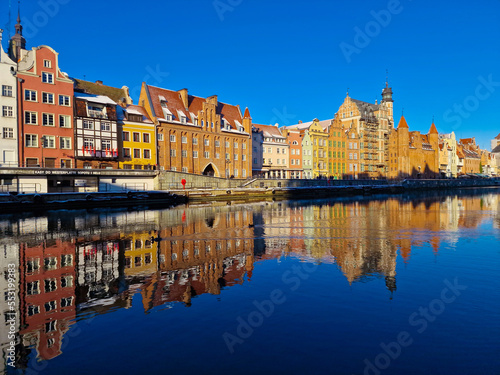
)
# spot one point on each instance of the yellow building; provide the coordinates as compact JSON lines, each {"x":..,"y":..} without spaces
{"x":138,"y":138}
{"x":318,"y":131}
{"x":336,"y":149}
{"x":140,"y":254}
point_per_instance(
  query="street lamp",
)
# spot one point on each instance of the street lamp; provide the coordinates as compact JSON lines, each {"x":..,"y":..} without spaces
{"x":43,"y":146}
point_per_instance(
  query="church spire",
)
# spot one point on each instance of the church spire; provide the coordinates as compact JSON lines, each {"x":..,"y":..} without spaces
{"x":387,"y":91}
{"x":17,"y":42}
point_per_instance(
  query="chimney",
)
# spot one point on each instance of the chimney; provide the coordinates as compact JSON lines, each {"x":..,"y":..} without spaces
{"x":99,"y":83}
{"x":184,"y":97}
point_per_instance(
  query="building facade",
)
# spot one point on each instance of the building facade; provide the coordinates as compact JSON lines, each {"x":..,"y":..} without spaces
{"x":373,"y":123}
{"x":413,"y":155}
{"x":257,"y":152}
{"x":8,"y":108}
{"x":137,"y":138}
{"x":275,"y":152}
{"x":199,"y":135}
{"x":294,"y":140}
{"x":45,"y":106}
{"x":96,"y":132}
{"x":336,"y":149}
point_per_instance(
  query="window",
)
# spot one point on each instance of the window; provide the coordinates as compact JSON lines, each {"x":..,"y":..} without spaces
{"x":184,"y":153}
{"x":283,"y":160}
{"x":244,"y":145}
{"x":217,"y":155}
{"x":206,"y":154}
{"x":137,"y":153}
{"x":217,"y":143}
{"x":33,"y":310}
{"x":65,"y":143}
{"x":106,"y":144}
{"x":235,"y":145}
{"x":126,"y":152}
{"x":159,"y":137}
{"x":195,"y":141}
{"x":47,"y":98}
{"x":227,"y":156}
{"x":49,"y":141}
{"x":64,"y":100}
{"x":31,"y":140}
{"x":195,"y":154}
{"x":174,"y":169}
{"x":88,"y":124}
{"x":105,"y":126}
{"x":172,"y":153}
{"x":7,"y":111}
{"x":244,"y":157}
{"x":50,"y":305}
{"x":172,"y":138}
{"x":206,"y":142}
{"x":48,"y":119}
{"x":147,"y":154}
{"x":30,"y":118}
{"x":8,"y":133}
{"x":6,"y":90}
{"x":66,"y":260}
{"x":64,"y":121}
{"x":126,"y":136}
{"x":50,"y":285}
{"x":30,"y":95}
{"x":227,"y":144}
{"x":51,"y":326}
{"x":33,"y":288}
{"x":137,"y":137}
{"x":277,"y":150}
{"x":183,"y":119}
{"x":67,"y":301}
{"x":146,"y":138}
{"x":183,"y":139}
{"x":235,"y":156}
{"x":47,"y":77}
{"x":47,"y":64}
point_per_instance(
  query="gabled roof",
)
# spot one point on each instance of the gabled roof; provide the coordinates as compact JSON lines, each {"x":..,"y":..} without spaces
{"x":116,"y":94}
{"x":173,"y":103}
{"x":138,"y":110}
{"x":269,"y":131}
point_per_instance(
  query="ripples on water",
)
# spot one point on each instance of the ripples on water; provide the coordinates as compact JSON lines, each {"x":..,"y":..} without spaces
{"x":402,"y":285}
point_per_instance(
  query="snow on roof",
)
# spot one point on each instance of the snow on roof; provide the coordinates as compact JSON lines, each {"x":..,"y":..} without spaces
{"x":94,"y":98}
{"x":133,"y":111}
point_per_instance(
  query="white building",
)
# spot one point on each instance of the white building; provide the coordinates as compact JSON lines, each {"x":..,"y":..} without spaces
{"x":8,"y":108}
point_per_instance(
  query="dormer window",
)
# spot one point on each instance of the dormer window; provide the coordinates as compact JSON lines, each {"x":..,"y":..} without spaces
{"x":168,"y":117}
{"x":183,"y":119}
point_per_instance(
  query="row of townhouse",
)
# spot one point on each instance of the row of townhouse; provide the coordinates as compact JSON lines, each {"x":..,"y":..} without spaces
{"x":361,"y":141}
{"x":50,"y":120}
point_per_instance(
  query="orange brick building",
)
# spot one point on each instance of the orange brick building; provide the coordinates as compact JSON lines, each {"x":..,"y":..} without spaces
{"x":413,"y":155}
{"x":199,"y":135}
{"x":336,"y":149}
{"x":45,"y":106}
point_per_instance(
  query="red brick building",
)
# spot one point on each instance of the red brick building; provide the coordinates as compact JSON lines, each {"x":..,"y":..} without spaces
{"x":45,"y":104}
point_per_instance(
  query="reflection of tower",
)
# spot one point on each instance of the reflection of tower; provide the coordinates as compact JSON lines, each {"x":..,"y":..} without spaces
{"x":390,"y":283}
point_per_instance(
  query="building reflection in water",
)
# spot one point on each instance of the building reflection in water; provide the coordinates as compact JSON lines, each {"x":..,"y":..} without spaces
{"x":77,"y":265}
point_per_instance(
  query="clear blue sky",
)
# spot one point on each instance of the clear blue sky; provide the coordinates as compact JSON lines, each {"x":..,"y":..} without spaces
{"x":284,"y":59}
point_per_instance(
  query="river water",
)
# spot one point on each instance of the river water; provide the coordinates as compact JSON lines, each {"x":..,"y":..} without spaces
{"x":382,"y":285}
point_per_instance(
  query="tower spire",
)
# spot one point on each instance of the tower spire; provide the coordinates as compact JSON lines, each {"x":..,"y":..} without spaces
{"x":17,"y":42}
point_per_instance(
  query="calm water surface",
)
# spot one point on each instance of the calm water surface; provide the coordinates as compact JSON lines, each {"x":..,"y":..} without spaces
{"x":389,"y":285}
